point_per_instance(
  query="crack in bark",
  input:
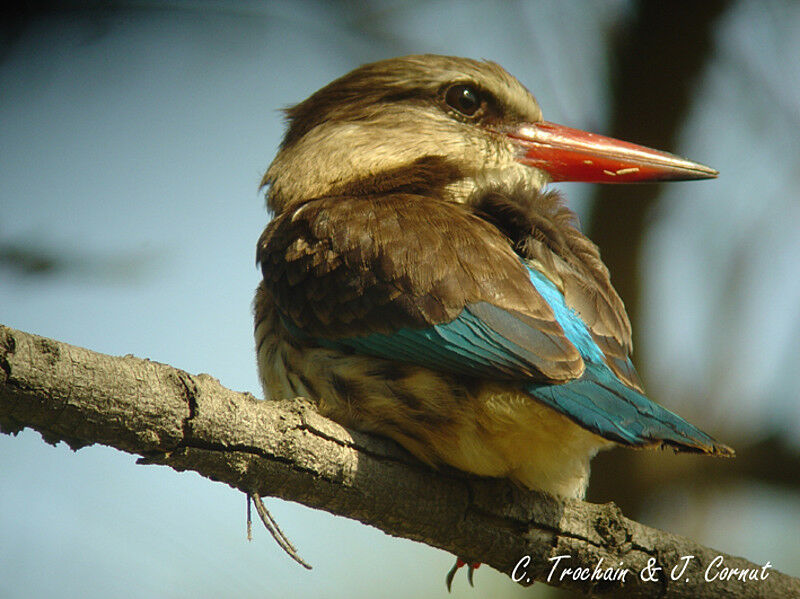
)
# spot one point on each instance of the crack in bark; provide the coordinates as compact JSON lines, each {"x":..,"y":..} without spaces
{"x":245,"y":449}
{"x":190,"y":394}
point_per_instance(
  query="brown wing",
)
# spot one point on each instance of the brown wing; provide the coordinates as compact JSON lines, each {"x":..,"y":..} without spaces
{"x":543,"y":232}
{"x":343,"y":267}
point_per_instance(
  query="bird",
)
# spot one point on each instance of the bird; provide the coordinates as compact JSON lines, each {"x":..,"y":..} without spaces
{"x":422,"y":281}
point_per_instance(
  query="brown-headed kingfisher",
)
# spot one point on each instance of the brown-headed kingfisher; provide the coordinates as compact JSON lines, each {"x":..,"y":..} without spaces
{"x":419,"y":282}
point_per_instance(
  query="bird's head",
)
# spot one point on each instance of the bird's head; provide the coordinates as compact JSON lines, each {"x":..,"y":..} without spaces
{"x":470,"y":115}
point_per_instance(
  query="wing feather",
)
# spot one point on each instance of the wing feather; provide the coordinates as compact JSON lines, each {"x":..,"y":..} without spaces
{"x":448,"y":282}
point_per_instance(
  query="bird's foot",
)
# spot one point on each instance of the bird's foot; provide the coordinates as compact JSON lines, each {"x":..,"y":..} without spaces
{"x":470,"y":570}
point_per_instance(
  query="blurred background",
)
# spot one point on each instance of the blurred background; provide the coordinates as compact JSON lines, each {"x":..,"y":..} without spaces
{"x":133,"y":136}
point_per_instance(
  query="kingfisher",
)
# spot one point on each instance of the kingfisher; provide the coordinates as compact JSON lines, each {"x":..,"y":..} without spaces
{"x":421,"y":282}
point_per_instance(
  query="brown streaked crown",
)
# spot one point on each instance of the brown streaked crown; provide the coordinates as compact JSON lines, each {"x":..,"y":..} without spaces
{"x":413,"y":79}
{"x":388,"y":114}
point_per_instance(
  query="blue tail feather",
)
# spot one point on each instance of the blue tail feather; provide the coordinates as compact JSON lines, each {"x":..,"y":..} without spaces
{"x":602,"y":403}
{"x":599,"y":402}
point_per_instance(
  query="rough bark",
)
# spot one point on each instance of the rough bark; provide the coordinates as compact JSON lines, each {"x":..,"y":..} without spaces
{"x":287,"y":450}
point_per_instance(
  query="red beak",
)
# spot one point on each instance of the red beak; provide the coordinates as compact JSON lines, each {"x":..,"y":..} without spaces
{"x":568,"y":154}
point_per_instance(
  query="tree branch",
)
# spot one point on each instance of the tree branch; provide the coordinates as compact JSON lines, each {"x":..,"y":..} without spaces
{"x":285,"y":449}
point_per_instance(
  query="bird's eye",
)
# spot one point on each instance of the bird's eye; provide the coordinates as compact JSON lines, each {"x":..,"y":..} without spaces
{"x":464,"y":98}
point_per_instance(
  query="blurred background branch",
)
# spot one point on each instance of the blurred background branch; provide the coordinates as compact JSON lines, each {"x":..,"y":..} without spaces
{"x":654,"y":74}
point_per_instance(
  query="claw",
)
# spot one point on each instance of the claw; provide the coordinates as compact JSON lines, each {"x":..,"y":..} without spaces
{"x":472,"y":567}
{"x":452,"y":573}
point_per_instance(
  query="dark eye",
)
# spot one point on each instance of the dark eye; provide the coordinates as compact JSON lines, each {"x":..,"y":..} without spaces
{"x":464,"y":98}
